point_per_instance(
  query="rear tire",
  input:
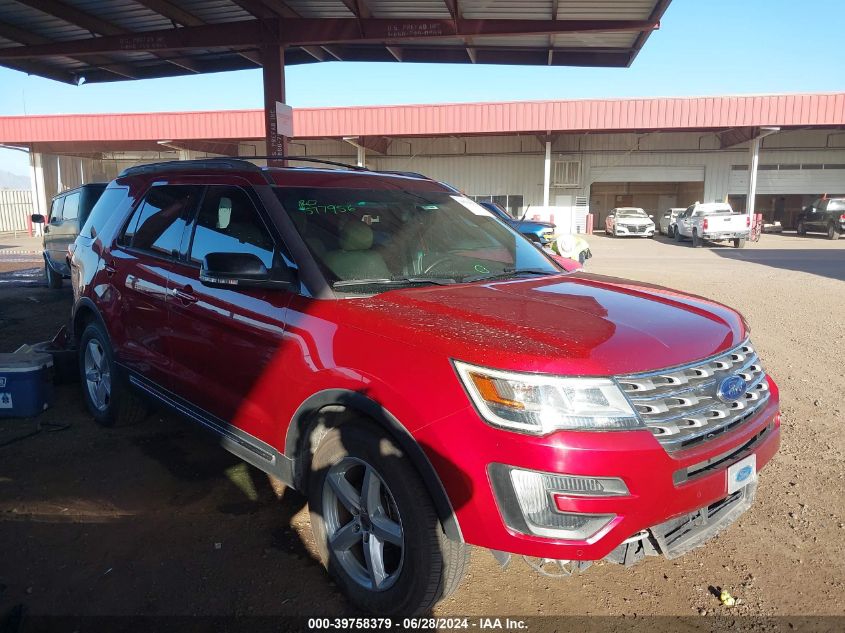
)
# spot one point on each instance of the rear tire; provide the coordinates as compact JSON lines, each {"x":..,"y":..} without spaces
{"x":739,"y":243}
{"x":832,"y":233}
{"x":106,"y":394}
{"x":802,"y":230}
{"x":696,"y":241}
{"x":54,"y":280}
{"x":394,"y":531}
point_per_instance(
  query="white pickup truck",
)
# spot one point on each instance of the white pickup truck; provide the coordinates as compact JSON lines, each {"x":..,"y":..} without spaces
{"x":713,"y":221}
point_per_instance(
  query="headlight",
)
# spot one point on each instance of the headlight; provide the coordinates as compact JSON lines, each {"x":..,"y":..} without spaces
{"x":540,"y":404}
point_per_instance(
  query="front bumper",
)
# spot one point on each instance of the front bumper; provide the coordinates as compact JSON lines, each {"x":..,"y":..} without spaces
{"x":639,"y":231}
{"x":662,"y":486}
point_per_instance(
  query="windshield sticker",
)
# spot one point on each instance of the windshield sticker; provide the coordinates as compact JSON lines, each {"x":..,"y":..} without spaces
{"x":473,"y":206}
{"x":480,"y":269}
{"x":312,"y":207}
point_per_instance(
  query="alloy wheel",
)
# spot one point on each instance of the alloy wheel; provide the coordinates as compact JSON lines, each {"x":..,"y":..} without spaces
{"x":363,"y":526}
{"x":97,"y":375}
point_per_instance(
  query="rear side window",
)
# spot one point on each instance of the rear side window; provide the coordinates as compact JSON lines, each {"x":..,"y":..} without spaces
{"x":228,"y":222}
{"x":56,"y":210}
{"x":159,"y":221}
{"x":71,"y":209}
{"x":115,"y":200}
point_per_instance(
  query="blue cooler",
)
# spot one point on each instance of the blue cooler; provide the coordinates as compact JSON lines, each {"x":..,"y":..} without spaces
{"x":26,"y":384}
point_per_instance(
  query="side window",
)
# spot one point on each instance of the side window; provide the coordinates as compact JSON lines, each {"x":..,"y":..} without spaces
{"x":71,"y":209}
{"x":114,"y":200}
{"x":56,"y":210}
{"x":228,"y":222}
{"x":159,"y":221}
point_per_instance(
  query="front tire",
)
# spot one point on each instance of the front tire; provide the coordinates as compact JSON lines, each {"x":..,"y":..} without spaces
{"x":54,"y":280}
{"x":375,"y":525}
{"x":832,"y":233}
{"x":107,"y":396}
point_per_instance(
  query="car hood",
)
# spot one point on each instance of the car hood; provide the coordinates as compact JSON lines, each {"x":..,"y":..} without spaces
{"x":578,"y":324}
{"x":532,"y":225}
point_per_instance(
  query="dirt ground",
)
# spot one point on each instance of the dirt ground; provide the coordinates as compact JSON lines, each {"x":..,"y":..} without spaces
{"x":158,"y":520}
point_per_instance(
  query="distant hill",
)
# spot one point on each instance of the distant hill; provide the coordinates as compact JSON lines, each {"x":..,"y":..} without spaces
{"x":8,"y":180}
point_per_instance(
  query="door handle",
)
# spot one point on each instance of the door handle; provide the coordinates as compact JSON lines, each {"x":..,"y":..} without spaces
{"x":110,"y":269}
{"x":184,"y":294}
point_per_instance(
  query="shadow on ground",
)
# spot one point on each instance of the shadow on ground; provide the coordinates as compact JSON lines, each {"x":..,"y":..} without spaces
{"x":824,"y":263}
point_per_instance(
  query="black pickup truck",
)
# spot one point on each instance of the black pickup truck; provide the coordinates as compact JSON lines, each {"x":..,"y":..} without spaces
{"x":826,"y":215}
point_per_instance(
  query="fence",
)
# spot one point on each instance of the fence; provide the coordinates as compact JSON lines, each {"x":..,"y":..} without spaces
{"x":15,"y":209}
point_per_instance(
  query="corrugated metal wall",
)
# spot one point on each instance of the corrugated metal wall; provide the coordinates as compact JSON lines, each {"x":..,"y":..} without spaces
{"x":15,"y":209}
{"x":513,"y":164}
{"x":791,"y":181}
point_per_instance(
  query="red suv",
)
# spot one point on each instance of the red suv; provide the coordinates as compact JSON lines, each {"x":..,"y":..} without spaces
{"x":427,"y":376}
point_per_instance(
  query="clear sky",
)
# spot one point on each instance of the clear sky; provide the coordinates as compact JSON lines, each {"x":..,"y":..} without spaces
{"x":710,"y":47}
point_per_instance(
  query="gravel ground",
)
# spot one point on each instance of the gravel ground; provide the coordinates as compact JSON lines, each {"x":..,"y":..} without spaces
{"x":158,"y":520}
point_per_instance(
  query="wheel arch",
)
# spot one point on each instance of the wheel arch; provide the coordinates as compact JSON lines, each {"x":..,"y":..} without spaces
{"x":308,"y":426}
{"x":85,"y":312}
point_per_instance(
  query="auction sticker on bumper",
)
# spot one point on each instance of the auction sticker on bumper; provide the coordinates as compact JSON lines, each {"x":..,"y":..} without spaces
{"x":742,"y":473}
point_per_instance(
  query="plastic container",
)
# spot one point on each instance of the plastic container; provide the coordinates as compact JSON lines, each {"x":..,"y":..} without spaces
{"x":26,"y":384}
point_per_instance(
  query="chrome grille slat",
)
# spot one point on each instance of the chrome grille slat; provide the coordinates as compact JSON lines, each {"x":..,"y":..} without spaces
{"x":688,"y":439}
{"x":693,"y":413}
{"x":718,"y":403}
{"x":656,"y":394}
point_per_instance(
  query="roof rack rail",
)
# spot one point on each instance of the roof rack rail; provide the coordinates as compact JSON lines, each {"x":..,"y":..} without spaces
{"x":233,"y":162}
{"x":405,"y":173}
{"x":222,"y":161}
{"x":307,"y":159}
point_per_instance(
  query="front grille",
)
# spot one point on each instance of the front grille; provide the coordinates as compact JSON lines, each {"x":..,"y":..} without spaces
{"x":635,"y":229}
{"x":681,"y":405}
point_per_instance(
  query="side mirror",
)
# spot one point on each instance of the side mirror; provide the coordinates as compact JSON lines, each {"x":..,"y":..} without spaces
{"x":37,"y":218}
{"x":651,"y":216}
{"x":241,"y":270}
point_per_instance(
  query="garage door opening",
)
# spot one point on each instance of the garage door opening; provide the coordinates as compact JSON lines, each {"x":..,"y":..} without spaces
{"x":654,"y":197}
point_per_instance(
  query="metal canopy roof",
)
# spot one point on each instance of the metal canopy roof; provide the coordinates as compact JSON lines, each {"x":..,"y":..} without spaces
{"x":112,"y":40}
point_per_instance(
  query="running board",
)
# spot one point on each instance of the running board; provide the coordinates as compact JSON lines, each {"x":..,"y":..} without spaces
{"x":241,"y":444}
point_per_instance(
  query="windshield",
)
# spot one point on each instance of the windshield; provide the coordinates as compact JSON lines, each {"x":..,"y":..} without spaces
{"x":388,"y":238}
{"x":631,"y":213}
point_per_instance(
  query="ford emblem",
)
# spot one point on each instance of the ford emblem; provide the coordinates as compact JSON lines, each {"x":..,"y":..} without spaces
{"x":731,"y":389}
{"x":744,"y":473}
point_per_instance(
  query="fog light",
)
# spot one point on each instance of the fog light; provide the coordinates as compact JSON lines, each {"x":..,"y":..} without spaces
{"x":527,"y":501}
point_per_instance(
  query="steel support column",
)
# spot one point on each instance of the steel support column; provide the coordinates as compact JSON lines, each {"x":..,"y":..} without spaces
{"x":273,"y":59}
{"x":753,"y":163}
{"x":547,"y":173}
{"x":36,"y":184}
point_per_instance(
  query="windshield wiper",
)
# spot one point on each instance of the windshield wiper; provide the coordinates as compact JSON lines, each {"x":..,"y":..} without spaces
{"x":509,"y":272}
{"x":393,"y":281}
